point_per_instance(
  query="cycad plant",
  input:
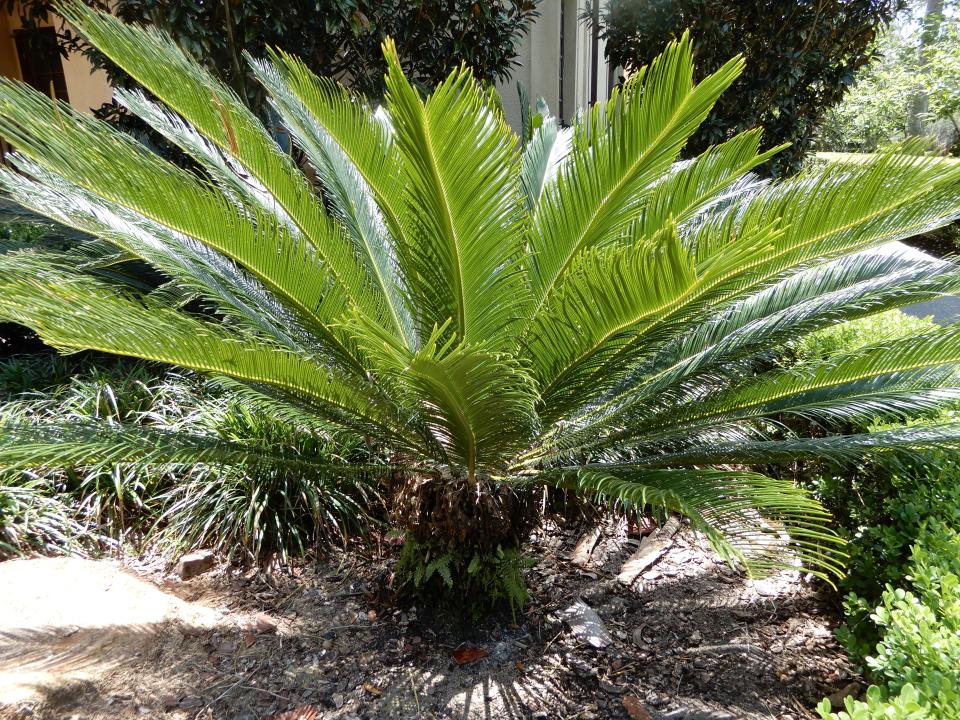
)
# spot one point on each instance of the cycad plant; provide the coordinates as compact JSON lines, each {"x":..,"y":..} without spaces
{"x":578,"y":310}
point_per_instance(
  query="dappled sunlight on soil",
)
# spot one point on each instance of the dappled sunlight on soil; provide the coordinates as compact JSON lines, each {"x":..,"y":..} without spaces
{"x":690,"y":639}
{"x":66,"y":623}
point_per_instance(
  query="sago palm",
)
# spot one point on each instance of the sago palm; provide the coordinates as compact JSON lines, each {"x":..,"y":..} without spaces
{"x":580,"y":310}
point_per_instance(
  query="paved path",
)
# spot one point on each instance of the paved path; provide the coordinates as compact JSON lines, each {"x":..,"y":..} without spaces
{"x":944,"y":310}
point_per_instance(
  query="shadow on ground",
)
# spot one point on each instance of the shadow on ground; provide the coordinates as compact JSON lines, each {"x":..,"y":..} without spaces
{"x":692,"y":639}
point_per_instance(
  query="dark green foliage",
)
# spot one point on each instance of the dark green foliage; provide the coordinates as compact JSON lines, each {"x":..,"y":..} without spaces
{"x":801,"y":57}
{"x":479,"y":580}
{"x":335,"y":38}
{"x":882,"y":506}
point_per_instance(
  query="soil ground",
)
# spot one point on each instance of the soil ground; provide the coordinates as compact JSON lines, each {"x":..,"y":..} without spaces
{"x":691,"y":639}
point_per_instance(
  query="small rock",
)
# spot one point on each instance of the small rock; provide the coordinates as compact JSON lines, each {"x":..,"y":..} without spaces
{"x":612,"y":688}
{"x":338,"y":700}
{"x":586,"y":625}
{"x":635,"y":709}
{"x":656,"y":700}
{"x":195,"y":563}
{"x":837,"y":698}
{"x":696,"y":637}
{"x":265,"y":624}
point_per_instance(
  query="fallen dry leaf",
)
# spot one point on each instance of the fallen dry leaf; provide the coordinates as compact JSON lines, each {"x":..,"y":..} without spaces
{"x":372,"y":689}
{"x":304,"y":712}
{"x":249,"y":639}
{"x":465,"y":655}
{"x":635,"y":709}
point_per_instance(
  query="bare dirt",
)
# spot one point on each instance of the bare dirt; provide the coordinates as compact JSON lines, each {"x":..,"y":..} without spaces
{"x":691,"y":639}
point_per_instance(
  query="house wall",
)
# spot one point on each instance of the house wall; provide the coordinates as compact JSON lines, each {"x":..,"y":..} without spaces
{"x":9,"y":67}
{"x":539,"y":62}
{"x":86,"y":90}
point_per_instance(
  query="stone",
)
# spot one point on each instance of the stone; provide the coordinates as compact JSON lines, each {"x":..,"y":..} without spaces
{"x":837,"y":698}
{"x":265,"y":624}
{"x":586,"y":625}
{"x":195,"y":563}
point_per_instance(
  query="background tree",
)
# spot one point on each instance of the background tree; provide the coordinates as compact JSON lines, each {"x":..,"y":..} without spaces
{"x":920,"y":104}
{"x":801,"y":57}
{"x":880,"y":107}
{"x":335,"y":38}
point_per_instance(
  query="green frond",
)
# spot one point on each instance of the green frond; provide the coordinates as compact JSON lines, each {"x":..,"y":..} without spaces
{"x":843,"y":448}
{"x":462,"y":248}
{"x":73,"y":312}
{"x":478,"y":403}
{"x":608,"y":291}
{"x":154,"y":60}
{"x":543,"y":156}
{"x":195,"y":270}
{"x":702,"y":183}
{"x":907,"y":363}
{"x":846,"y":289}
{"x":835,"y":212}
{"x":757,"y":521}
{"x":347,"y":146}
{"x":143,"y":183}
{"x":51,"y":445}
{"x":603,"y":187}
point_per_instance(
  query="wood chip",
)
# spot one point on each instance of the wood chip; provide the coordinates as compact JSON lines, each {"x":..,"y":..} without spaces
{"x":584,"y":548}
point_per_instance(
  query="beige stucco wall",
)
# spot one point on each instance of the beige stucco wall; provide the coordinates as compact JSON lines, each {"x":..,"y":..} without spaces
{"x":86,"y":90}
{"x":9,"y":66}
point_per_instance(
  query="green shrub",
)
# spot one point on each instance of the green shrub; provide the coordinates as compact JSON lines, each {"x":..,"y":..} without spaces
{"x":850,"y":336}
{"x":21,"y":233}
{"x":580,"y":311}
{"x":262,"y":511}
{"x":879,"y":502}
{"x":917,"y":659}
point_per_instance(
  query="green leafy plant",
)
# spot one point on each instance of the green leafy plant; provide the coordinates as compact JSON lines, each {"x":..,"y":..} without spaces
{"x":490,"y":317}
{"x":248,"y":509}
{"x":482,"y":579}
{"x":916,"y":660}
{"x":36,"y":518}
{"x":833,"y":341}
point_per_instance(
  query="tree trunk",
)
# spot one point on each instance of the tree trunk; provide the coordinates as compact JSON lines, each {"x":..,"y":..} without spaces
{"x":932,"y":17}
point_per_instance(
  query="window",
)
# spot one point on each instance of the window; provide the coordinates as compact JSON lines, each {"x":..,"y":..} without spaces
{"x":40,"y":63}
